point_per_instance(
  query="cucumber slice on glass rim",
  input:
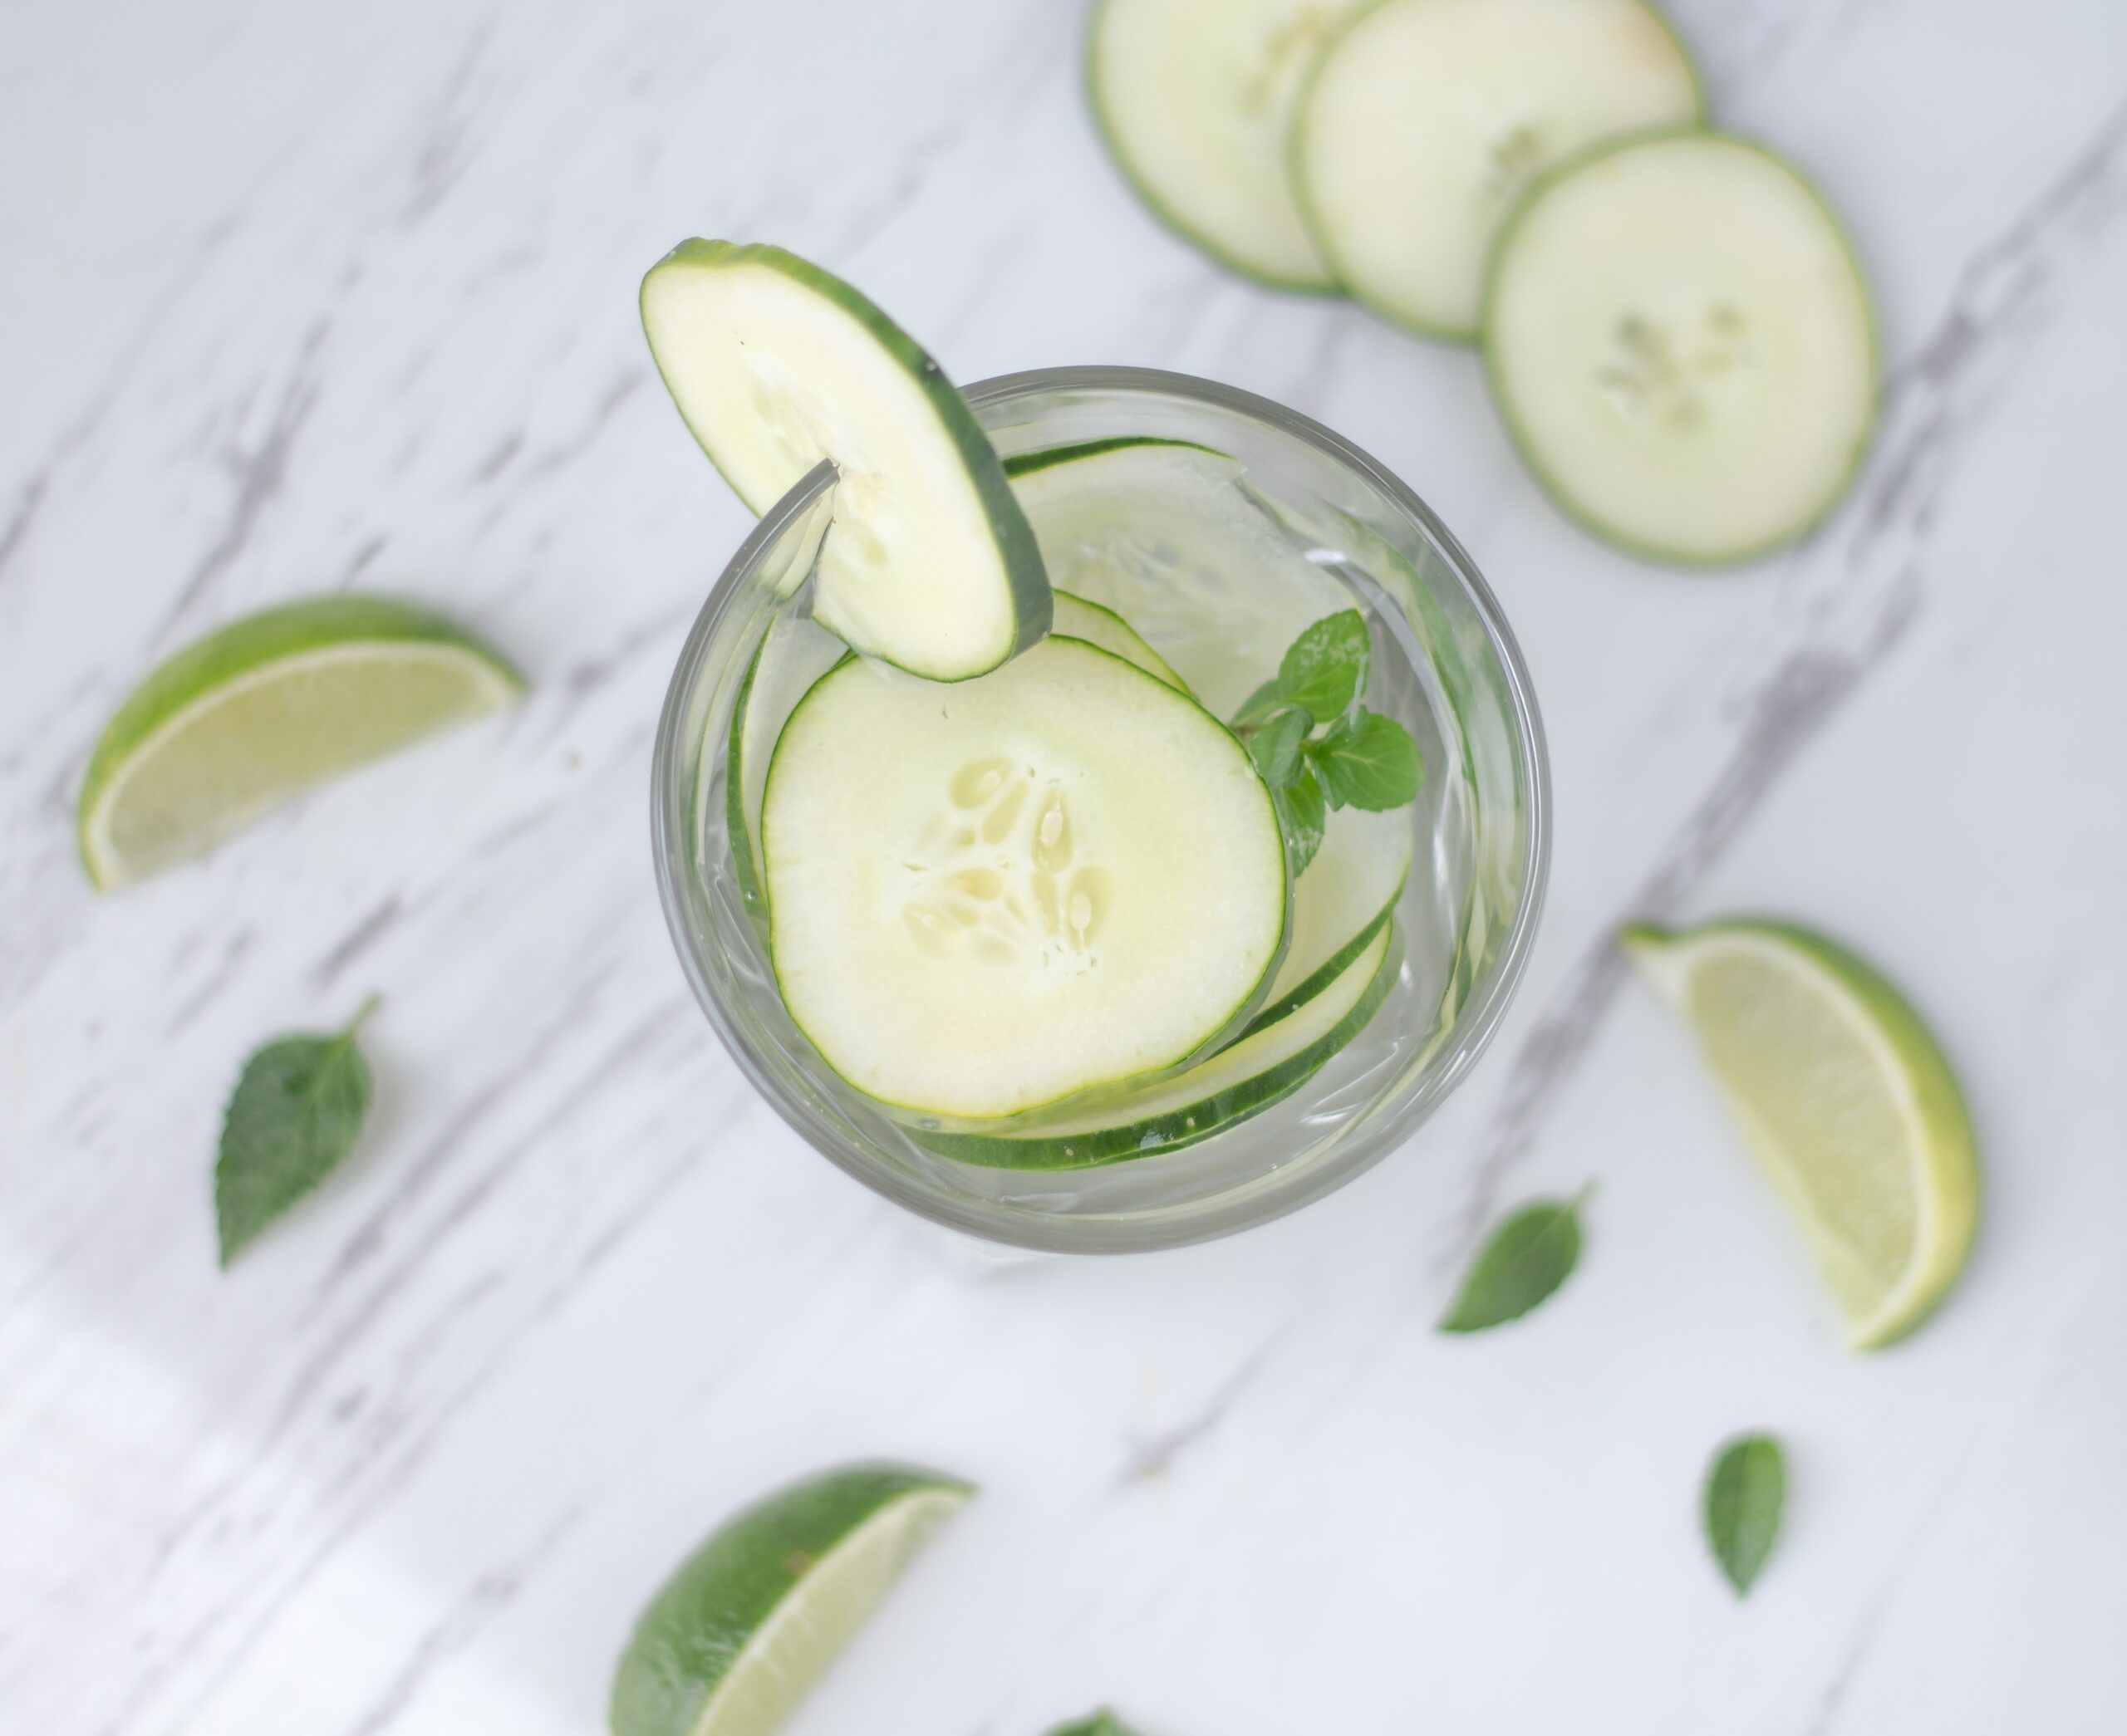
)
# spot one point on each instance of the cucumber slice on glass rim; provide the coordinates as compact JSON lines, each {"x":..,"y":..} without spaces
{"x":1424,"y":120}
{"x":928,"y":562}
{"x":1209,"y":1098}
{"x":1194,"y":99}
{"x":1680,"y":344}
{"x":982,"y":901}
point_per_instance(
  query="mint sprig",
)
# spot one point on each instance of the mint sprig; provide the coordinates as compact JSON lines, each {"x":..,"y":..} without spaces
{"x":1317,"y":745}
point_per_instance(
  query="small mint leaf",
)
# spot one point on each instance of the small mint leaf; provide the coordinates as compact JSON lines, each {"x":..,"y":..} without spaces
{"x":1275,"y":746}
{"x":297,"y":1107}
{"x":1326,"y":668}
{"x":1527,"y":1259}
{"x":1102,"y":1723}
{"x":1373,"y":764}
{"x":1301,"y":817}
{"x":1744,"y":1494}
{"x":1258,"y":705}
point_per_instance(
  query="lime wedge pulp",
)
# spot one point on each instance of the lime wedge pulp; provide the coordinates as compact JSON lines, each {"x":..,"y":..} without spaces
{"x":262,"y":709}
{"x":752,"y":1616}
{"x":1847,"y":1100}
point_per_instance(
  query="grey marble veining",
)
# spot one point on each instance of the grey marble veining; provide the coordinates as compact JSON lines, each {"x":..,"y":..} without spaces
{"x":306,"y":298}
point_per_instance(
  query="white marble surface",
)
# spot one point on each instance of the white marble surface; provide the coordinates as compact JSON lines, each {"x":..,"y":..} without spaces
{"x":298,"y":296}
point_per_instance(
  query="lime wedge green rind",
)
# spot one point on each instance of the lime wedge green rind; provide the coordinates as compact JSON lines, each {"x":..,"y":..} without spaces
{"x":747,"y":1621}
{"x":216,"y":731}
{"x":1846,"y":1098}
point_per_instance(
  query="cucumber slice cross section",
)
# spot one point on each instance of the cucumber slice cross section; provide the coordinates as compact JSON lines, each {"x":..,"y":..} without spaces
{"x":928,"y":562}
{"x":1681,"y":343}
{"x":1425,"y":120}
{"x":1209,"y":1098}
{"x":793,"y":653}
{"x":987,"y":898}
{"x":1194,"y":98}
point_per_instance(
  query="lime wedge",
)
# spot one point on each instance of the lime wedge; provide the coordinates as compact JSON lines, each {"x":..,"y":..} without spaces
{"x":265,"y":707}
{"x":752,"y":1616}
{"x":1846,"y":1099}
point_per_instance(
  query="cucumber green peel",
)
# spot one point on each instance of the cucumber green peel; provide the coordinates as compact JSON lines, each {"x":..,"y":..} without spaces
{"x":1239,"y":1082}
{"x":774,"y":364}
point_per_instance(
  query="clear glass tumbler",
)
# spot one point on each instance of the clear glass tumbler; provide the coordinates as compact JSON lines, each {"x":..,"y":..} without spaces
{"x":1445,"y":664}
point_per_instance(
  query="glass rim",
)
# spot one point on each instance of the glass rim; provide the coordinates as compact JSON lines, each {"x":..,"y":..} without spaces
{"x":671,"y":803}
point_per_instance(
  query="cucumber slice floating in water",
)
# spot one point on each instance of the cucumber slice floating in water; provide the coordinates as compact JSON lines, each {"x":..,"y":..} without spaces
{"x":1194,"y":98}
{"x":986,"y":899}
{"x":1162,"y":533}
{"x":1077,"y":619}
{"x":792,"y":655}
{"x":1680,"y":341}
{"x":1425,"y":120}
{"x":928,"y":562}
{"x":1208,"y":1098}
{"x":1344,"y":899}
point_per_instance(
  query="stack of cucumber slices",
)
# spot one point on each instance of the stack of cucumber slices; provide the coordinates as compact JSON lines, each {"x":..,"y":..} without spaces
{"x":1019,"y":885}
{"x":1672,"y":324}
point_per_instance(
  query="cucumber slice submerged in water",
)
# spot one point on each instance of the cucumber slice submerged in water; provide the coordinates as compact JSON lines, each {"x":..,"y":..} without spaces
{"x":928,"y":562}
{"x":1077,"y":619}
{"x":1344,"y":899}
{"x":1194,"y":98}
{"x":1209,"y":1098}
{"x":987,"y":898}
{"x":1425,"y":120}
{"x":1680,"y":340}
{"x":1163,"y":533}
{"x":792,"y":655}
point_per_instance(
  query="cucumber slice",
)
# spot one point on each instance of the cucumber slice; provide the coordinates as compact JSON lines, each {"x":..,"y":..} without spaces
{"x":1342,"y":900}
{"x":792,"y":655}
{"x":1194,"y":98}
{"x":1425,"y":120}
{"x":1077,"y":619}
{"x":1063,"y":876}
{"x":1210,"y":1097}
{"x":1161,"y":534}
{"x":1026,"y":463}
{"x":927,"y":563}
{"x":1681,"y":343}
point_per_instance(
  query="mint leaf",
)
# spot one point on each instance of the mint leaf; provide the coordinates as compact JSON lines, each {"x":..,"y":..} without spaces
{"x":1258,"y":705}
{"x":1371,"y":764}
{"x":1102,"y":1723}
{"x":1301,"y":817}
{"x":1528,"y":1258}
{"x":294,"y":1114}
{"x":1744,"y":1495}
{"x":1326,"y":668}
{"x":1275,"y":746}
